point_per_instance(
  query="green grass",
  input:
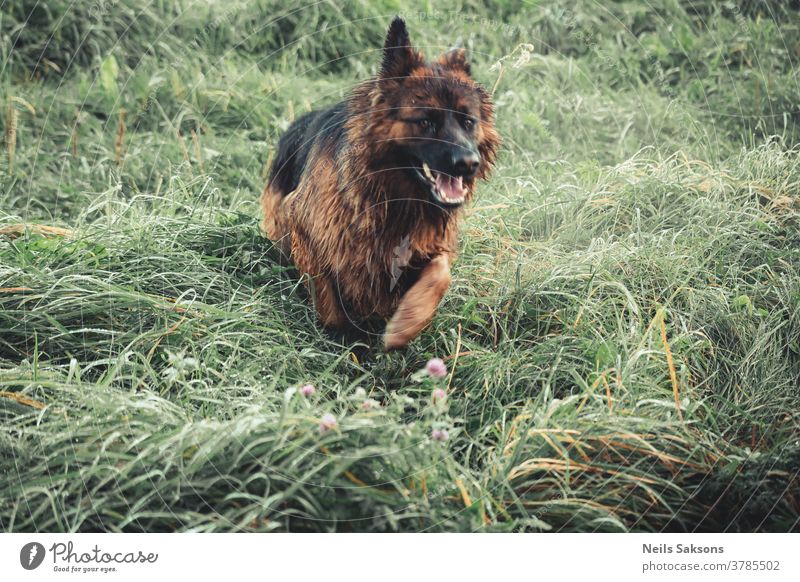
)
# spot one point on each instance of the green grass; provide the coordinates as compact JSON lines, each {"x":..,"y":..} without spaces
{"x":638,"y":243}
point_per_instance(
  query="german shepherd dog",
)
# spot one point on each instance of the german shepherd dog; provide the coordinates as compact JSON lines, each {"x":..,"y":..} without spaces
{"x":365,"y":196}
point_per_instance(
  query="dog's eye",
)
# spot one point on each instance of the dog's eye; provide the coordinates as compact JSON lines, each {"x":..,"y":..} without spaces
{"x":425,"y":124}
{"x":468,"y":123}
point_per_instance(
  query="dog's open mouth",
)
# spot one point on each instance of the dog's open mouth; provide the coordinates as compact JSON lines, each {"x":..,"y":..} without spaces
{"x":446,"y":189}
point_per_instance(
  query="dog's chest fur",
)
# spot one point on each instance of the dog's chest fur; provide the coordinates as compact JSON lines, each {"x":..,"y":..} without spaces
{"x":396,"y":250}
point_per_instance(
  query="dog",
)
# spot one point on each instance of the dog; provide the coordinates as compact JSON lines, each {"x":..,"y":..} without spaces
{"x":365,"y":197}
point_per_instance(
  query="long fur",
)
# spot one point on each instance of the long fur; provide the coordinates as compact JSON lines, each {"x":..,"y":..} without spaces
{"x":339,"y":207}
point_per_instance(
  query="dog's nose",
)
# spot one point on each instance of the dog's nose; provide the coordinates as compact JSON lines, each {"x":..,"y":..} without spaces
{"x":466,"y":164}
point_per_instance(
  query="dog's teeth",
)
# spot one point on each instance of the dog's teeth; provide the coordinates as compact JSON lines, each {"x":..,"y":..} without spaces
{"x":427,"y":170}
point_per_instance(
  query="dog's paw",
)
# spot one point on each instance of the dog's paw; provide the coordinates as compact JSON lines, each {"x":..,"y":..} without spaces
{"x":394,"y":339}
{"x":404,"y":326}
{"x":418,"y":305}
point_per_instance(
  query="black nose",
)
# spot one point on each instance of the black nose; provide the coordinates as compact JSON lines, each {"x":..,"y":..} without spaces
{"x":466,"y":164}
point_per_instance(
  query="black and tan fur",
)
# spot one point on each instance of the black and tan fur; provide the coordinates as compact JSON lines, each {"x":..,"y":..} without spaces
{"x":365,"y":196}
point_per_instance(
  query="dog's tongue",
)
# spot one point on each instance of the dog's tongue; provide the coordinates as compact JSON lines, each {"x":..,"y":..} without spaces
{"x":450,"y":188}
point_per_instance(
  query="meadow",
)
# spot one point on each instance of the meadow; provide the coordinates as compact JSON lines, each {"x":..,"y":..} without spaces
{"x":622,"y":336}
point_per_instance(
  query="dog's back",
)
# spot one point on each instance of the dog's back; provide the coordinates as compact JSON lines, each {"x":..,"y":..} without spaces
{"x":322,"y":126}
{"x":316,"y":129}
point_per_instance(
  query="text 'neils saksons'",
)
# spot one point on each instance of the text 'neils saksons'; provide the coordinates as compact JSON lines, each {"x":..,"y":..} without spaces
{"x":681,"y":549}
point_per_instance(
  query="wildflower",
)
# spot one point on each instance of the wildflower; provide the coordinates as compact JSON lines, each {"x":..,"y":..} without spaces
{"x":360,"y":393}
{"x":439,"y":395}
{"x":436,"y":368}
{"x":370,"y":404}
{"x":307,"y":390}
{"x":327,"y":422}
{"x":440,"y":434}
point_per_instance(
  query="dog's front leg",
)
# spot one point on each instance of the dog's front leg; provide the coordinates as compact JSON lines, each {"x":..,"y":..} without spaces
{"x":326,"y":300}
{"x":418,"y":305}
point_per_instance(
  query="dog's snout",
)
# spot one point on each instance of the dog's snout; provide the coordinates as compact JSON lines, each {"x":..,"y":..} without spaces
{"x":466,"y":164}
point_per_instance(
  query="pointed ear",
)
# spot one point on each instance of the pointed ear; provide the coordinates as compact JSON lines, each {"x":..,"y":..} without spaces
{"x":398,"y":56}
{"x":455,"y":58}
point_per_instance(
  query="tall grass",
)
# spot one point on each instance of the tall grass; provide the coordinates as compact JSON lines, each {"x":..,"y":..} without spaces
{"x":622,"y":334}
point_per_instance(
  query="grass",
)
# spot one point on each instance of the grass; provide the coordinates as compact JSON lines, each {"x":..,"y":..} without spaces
{"x":622,"y":333}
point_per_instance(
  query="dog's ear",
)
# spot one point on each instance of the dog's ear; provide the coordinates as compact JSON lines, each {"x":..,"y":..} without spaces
{"x":398,"y":55}
{"x":456,"y":59}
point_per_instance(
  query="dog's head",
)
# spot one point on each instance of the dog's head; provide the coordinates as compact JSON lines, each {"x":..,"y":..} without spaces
{"x":436,"y":122}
